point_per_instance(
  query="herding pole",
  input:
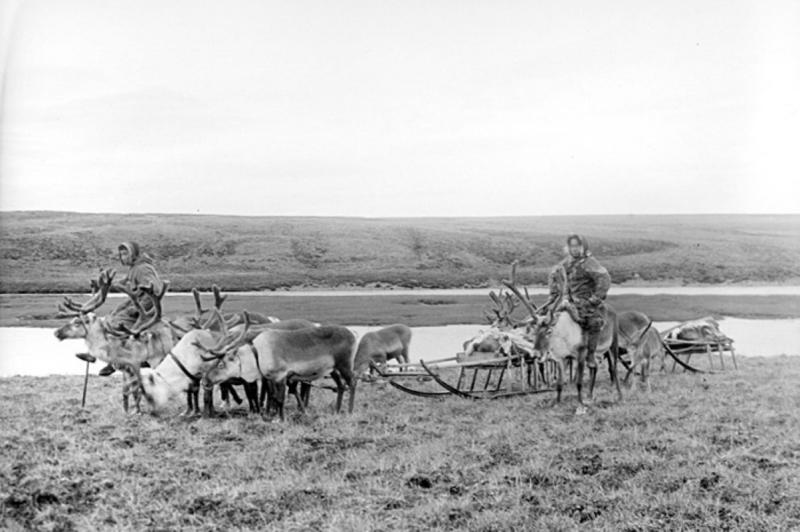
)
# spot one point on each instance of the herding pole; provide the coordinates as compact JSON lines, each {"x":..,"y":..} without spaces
{"x":89,"y":359}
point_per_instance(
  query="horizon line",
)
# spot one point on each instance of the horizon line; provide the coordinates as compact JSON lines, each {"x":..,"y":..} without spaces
{"x":417,"y":217}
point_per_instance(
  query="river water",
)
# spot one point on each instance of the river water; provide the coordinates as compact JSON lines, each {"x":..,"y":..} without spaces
{"x":35,"y":351}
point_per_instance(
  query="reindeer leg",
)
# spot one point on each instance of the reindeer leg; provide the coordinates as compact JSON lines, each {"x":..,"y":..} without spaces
{"x":251,"y":391}
{"x":291,"y":386}
{"x":628,"y":374}
{"x":196,"y":400}
{"x":613,"y":359}
{"x":352,"y":399}
{"x":404,"y":355}
{"x":280,"y":398}
{"x":233,"y":395}
{"x":124,"y":395}
{"x":208,"y":402}
{"x":224,"y":395}
{"x":263,"y":396}
{"x":350,"y":379}
{"x":579,"y":379}
{"x":137,"y":394}
{"x":188,"y":410}
{"x":559,"y":379}
{"x":339,"y":390}
{"x":293,"y":390}
{"x":275,"y":393}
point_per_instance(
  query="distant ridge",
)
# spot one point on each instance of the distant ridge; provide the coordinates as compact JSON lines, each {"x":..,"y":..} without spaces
{"x":46,"y":251}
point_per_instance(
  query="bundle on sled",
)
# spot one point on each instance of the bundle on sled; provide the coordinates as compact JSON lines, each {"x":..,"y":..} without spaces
{"x":700,"y":336}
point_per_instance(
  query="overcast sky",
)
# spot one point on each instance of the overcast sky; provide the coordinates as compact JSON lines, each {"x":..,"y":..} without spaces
{"x":379,"y":108}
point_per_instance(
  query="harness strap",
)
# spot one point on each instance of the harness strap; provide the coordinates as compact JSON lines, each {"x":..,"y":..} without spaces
{"x":194,"y":378}
{"x":255,"y":354}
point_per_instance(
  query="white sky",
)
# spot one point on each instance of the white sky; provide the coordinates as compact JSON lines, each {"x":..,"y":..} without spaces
{"x":405,"y":108}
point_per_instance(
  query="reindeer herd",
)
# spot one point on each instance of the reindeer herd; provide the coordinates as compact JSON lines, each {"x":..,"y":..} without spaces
{"x":162,"y":357}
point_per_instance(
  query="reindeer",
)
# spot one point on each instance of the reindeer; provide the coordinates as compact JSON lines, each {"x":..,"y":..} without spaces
{"x":642,"y":342}
{"x":505,"y":329}
{"x":271,"y":397}
{"x":182,"y":369}
{"x":383,"y":345}
{"x":125,"y":348}
{"x":559,"y":336}
{"x":189,"y":359}
{"x":272,"y":394}
{"x":184,"y":324}
{"x":305,"y":355}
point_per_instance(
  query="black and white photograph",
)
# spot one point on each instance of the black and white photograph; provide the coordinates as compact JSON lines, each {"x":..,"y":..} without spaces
{"x":434,"y":265}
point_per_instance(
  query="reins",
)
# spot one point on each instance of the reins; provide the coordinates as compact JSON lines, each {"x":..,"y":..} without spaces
{"x":255,"y":354}
{"x":194,"y":378}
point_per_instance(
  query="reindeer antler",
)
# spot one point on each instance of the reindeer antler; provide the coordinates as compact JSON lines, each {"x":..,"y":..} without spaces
{"x":506,"y":303}
{"x":198,"y":304}
{"x":504,"y":306}
{"x":219,"y":299}
{"x":132,"y":296}
{"x":146,"y":323}
{"x":228,"y":342}
{"x":100,"y":290}
{"x":511,"y":284}
{"x":216,"y":316}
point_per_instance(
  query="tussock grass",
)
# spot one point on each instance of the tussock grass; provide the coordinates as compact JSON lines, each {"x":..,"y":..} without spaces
{"x":702,"y":452}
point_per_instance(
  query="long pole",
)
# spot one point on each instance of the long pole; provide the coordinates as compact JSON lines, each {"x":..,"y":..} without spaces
{"x":88,"y":359}
{"x":85,"y":383}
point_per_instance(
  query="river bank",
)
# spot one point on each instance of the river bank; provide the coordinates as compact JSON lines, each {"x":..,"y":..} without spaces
{"x":38,"y":310}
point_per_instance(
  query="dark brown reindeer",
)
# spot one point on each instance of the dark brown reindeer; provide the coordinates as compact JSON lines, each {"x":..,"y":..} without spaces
{"x":305,"y":355}
{"x":272,"y":394}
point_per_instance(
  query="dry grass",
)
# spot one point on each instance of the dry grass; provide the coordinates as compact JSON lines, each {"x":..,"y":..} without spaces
{"x":711,"y":452}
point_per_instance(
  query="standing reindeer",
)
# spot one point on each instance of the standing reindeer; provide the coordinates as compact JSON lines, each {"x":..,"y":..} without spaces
{"x":643,"y":344}
{"x":383,"y":345}
{"x":220,"y":322}
{"x":147,"y":341}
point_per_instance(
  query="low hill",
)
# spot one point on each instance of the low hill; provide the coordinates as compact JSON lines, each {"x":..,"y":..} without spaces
{"x":60,"y":251}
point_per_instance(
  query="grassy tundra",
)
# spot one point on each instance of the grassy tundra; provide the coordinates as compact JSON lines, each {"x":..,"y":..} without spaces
{"x":710,"y":452}
{"x":60,"y":252}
